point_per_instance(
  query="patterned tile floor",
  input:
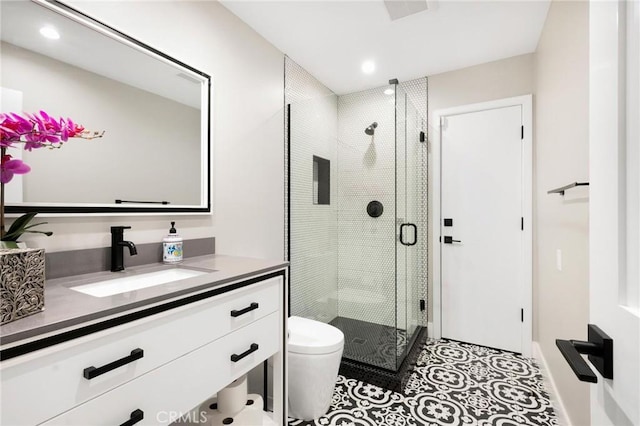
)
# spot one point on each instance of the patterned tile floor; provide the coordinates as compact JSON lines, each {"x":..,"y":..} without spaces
{"x":452,"y":384}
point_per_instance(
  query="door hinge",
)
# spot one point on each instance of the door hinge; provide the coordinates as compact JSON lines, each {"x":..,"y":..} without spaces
{"x":521,"y":132}
{"x":522,"y":223}
{"x":422,"y":305}
{"x":521,"y":315}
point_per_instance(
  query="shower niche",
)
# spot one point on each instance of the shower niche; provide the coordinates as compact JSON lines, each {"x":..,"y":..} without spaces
{"x":349,"y":264}
{"x":321,"y":180}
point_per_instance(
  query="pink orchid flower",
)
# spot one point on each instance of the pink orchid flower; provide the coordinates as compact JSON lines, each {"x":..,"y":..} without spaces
{"x":10,"y":167}
{"x":33,"y":131}
{"x":12,"y":127}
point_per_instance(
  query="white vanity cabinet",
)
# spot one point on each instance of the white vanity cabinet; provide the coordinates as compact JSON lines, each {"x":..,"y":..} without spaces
{"x":150,"y":370}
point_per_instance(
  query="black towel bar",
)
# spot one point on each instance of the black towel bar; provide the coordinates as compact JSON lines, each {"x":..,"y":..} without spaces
{"x":141,"y":202}
{"x":564,"y":188}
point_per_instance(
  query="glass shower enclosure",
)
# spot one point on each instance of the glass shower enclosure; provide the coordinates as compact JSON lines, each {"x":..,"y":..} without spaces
{"x":357,"y":213}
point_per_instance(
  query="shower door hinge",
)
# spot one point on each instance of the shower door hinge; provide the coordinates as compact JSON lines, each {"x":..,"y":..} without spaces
{"x":521,"y":132}
{"x":521,"y":315}
{"x":422,"y":305}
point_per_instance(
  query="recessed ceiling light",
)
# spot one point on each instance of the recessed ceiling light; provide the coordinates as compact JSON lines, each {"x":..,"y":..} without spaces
{"x":50,"y":33}
{"x":368,"y":67}
{"x":389,"y":92}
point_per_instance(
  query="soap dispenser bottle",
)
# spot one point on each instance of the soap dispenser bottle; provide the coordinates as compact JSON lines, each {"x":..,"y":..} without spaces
{"x":172,"y":246}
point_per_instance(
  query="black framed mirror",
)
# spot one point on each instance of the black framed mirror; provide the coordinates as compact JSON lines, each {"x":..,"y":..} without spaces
{"x":155,"y":155}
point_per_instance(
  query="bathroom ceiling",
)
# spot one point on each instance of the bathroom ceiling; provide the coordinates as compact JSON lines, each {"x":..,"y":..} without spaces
{"x":331,"y":39}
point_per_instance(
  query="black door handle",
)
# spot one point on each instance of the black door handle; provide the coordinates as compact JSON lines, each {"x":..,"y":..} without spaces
{"x":450,"y":240}
{"x":91,"y":372}
{"x":599,"y":349}
{"x":249,"y":308}
{"x":135,"y":417}
{"x":577,"y":364}
{"x":415,"y":234}
{"x":252,"y":349}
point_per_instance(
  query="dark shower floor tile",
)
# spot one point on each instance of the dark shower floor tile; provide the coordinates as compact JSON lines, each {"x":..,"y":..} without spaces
{"x":386,"y":379}
{"x":452,"y":383}
{"x":369,"y":343}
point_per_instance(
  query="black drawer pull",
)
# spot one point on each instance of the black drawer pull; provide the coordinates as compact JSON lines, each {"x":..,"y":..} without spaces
{"x":252,"y":349}
{"x":135,"y":417}
{"x":91,"y":372}
{"x":249,"y":308}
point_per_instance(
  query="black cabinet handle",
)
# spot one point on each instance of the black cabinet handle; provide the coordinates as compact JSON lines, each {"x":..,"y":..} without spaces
{"x":249,"y":308}
{"x":135,"y":417}
{"x":599,"y":349}
{"x":91,"y":372}
{"x":252,"y":349}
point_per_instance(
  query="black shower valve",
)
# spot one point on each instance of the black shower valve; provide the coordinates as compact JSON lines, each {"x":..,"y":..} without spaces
{"x":375,"y":209}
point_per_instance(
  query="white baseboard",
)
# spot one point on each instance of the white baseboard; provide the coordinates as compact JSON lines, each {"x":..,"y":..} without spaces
{"x":430,"y":330}
{"x":550,"y":384}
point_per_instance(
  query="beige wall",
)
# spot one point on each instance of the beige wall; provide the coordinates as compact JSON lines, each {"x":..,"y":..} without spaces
{"x":247,"y":133}
{"x":561,"y":298}
{"x":486,"y":82}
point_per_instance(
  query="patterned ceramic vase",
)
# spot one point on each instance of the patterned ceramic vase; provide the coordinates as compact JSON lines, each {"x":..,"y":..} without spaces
{"x":21,"y":283}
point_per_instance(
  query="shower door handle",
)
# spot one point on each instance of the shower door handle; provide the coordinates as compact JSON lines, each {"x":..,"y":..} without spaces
{"x":415,"y":234}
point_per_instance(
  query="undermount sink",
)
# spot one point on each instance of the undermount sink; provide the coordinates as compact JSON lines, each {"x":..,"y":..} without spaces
{"x":132,"y":282}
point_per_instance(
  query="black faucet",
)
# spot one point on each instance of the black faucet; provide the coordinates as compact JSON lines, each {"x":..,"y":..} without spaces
{"x":117,"y":248}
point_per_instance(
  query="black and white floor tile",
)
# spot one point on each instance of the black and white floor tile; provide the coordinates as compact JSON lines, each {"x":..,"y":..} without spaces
{"x":452,"y":384}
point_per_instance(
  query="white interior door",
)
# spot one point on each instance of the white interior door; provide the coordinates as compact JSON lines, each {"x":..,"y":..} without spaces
{"x":482,"y":195}
{"x":614,"y":209}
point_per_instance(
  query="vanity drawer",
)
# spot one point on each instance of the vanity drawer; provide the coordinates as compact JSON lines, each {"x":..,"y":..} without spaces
{"x":42,"y":384}
{"x":176,"y":388}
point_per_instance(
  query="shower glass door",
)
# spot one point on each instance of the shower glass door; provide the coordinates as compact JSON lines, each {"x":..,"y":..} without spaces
{"x":408,"y":202}
{"x":355,"y":204}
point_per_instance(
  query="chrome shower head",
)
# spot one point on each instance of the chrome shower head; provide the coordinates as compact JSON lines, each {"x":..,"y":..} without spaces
{"x":371,"y":129}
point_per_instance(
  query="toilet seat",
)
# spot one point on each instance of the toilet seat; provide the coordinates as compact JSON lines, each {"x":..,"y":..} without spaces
{"x":313,"y":337}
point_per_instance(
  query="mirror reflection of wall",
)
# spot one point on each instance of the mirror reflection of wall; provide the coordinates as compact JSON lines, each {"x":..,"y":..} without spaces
{"x":151,"y":148}
{"x":151,"y":109}
{"x":11,"y":100}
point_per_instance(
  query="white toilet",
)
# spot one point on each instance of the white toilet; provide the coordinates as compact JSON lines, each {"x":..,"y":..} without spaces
{"x":314,"y":354}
